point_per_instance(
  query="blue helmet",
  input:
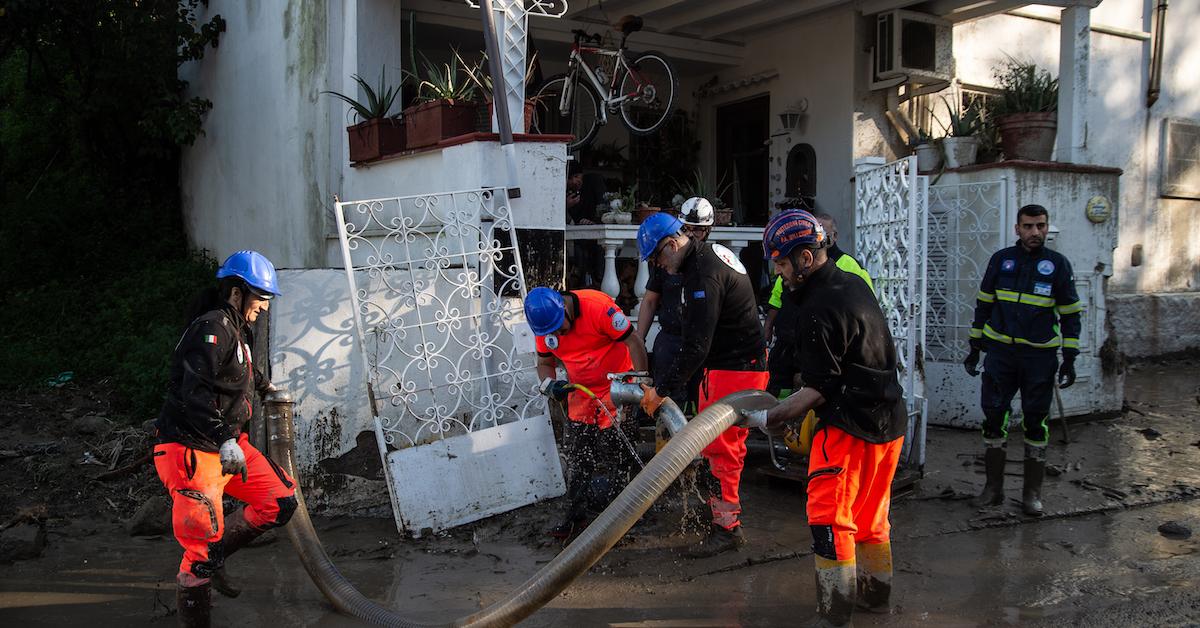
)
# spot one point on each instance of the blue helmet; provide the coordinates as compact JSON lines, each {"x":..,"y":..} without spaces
{"x":251,"y":267}
{"x":653,"y":230}
{"x":545,"y":310}
{"x":791,"y":229}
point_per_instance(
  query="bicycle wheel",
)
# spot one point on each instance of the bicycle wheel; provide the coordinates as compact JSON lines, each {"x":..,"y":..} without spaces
{"x":582,"y":119}
{"x":651,"y":84}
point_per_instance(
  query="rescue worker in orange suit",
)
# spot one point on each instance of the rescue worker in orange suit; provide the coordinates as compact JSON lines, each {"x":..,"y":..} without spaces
{"x":846,"y":363}
{"x":722,"y":336}
{"x":202,"y":453}
{"x":591,"y":337}
{"x":1027,"y":307}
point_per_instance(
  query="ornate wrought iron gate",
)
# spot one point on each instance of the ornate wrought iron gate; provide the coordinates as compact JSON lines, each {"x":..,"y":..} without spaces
{"x":889,"y":236}
{"x":437,"y":290}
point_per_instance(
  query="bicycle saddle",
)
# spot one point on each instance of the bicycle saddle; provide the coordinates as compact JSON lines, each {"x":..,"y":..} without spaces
{"x":629,"y":24}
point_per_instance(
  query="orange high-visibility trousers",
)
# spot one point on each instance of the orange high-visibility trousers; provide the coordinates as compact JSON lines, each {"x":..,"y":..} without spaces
{"x":727,"y":454}
{"x":849,"y":491}
{"x":196,"y":485}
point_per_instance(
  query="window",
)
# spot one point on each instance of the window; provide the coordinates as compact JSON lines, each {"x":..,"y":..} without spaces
{"x":1180,"y":173}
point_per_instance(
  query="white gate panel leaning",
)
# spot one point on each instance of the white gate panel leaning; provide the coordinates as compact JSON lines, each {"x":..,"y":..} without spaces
{"x":437,"y":290}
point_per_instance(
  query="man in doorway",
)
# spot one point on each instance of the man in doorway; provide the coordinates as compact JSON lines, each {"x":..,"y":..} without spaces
{"x":664,"y":296}
{"x":1026,"y":309}
{"x":591,"y":337}
{"x":584,"y":192}
{"x":846,"y":363}
{"x":781,"y":323}
{"x":722,"y":336}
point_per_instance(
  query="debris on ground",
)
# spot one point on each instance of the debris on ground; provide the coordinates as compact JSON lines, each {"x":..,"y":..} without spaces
{"x":22,"y":542}
{"x":91,"y":425}
{"x":1150,"y":433}
{"x":1175,"y":530}
{"x":152,"y":518}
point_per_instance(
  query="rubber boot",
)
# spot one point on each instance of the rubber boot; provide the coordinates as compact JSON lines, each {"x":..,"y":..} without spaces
{"x":238,"y":534}
{"x":874,"y":576}
{"x":835,"y":591}
{"x":1035,"y":471}
{"x":195,"y":606}
{"x":718,"y":540}
{"x":993,"y":467}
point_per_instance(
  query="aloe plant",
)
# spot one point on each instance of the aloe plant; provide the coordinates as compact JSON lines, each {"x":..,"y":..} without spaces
{"x":451,"y":81}
{"x":379,"y":99}
{"x":697,"y":185}
{"x":965,"y":123}
{"x":1025,"y":88}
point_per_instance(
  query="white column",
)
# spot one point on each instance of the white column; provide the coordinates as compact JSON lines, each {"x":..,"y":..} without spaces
{"x":610,"y":285}
{"x":1074,"y":47}
{"x":639,"y":284}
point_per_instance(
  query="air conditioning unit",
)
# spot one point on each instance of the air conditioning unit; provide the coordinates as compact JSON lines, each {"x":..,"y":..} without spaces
{"x":913,"y":45}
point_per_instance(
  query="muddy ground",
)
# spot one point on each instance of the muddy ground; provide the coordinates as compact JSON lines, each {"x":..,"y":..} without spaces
{"x":1096,"y":559}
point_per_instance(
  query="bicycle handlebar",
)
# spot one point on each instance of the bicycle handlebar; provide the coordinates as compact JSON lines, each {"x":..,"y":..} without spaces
{"x":583,"y":35}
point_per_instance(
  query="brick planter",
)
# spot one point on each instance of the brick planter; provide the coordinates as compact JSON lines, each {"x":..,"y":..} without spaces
{"x":431,"y":122}
{"x":375,"y":138}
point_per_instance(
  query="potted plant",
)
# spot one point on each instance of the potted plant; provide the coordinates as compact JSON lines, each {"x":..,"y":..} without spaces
{"x":1027,"y":113}
{"x":697,"y":185}
{"x":620,"y":206}
{"x":377,"y":134}
{"x":445,"y":105}
{"x":644,"y":210}
{"x":961,"y":143}
{"x":482,"y":80}
{"x":928,"y":152}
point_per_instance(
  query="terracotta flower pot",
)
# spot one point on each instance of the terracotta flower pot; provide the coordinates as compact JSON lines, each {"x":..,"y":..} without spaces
{"x":723,"y":216}
{"x":431,"y":122}
{"x":1028,"y":135}
{"x":375,"y":138}
{"x":483,"y":118}
{"x":643,"y":213}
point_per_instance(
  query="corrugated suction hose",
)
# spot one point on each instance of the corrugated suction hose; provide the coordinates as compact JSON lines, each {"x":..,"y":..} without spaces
{"x":550,"y":580}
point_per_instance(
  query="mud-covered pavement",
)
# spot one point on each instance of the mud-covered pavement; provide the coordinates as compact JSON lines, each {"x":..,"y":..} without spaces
{"x":1097,"y":558}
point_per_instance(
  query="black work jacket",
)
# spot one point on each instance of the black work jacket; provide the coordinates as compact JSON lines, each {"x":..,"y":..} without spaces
{"x":1028,"y":299}
{"x":845,"y":351}
{"x":210,"y":383}
{"x":720,"y":328}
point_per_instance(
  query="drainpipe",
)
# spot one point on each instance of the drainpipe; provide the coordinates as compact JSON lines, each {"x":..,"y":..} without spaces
{"x":1156,"y":54}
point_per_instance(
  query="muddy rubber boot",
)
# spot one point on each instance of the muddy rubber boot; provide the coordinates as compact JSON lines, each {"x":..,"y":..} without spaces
{"x":1035,"y":471}
{"x":719,"y":540}
{"x":223,"y":585}
{"x":835,"y":591}
{"x":195,"y":606}
{"x":874,"y":582}
{"x":238,"y":534}
{"x":993,"y":467}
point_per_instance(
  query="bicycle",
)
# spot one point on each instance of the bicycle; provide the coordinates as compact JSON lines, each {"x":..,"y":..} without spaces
{"x":643,"y":91}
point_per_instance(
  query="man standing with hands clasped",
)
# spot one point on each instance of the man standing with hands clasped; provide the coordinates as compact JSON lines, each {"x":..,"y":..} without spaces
{"x":1027,"y":308}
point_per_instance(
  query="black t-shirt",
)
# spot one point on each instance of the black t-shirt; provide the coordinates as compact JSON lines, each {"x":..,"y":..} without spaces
{"x":721,"y":329}
{"x":670,"y":303}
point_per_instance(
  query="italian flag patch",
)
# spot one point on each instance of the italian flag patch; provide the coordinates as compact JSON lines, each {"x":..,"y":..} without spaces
{"x":210,"y":339}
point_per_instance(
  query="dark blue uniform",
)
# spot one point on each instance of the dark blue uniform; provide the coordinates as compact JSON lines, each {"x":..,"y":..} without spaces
{"x":1027,"y":308}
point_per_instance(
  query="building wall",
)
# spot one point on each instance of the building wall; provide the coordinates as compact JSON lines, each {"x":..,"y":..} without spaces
{"x":1122,"y":131}
{"x":814,"y":60}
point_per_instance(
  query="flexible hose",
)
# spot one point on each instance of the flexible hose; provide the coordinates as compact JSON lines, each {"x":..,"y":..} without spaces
{"x":549,"y":581}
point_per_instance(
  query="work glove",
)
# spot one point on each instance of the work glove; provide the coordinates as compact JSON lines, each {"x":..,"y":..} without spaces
{"x":651,"y":400}
{"x":971,"y":364}
{"x":555,"y":388}
{"x":233,"y":459}
{"x":1066,"y":372}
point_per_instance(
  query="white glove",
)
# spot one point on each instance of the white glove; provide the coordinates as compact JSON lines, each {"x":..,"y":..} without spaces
{"x":753,"y":418}
{"x":233,"y":459}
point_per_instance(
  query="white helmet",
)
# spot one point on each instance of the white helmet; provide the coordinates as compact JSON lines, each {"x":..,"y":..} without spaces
{"x":697,"y":211}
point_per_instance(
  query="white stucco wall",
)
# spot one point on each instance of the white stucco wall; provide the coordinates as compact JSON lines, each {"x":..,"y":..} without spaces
{"x":1122,"y":131}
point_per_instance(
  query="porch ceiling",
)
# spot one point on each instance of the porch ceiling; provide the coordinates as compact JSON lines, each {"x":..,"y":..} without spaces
{"x":733,"y":20}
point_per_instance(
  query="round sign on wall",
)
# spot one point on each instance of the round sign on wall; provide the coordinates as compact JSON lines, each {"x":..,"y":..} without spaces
{"x":1099,"y":209}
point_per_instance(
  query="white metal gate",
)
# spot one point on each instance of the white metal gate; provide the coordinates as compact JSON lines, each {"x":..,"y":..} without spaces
{"x":437,"y":290}
{"x":967,"y":223}
{"x":889,"y":237}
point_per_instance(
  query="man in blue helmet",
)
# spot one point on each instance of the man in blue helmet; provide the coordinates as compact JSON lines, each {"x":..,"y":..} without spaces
{"x":202,"y":453}
{"x":591,"y":337}
{"x":723,"y":338}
